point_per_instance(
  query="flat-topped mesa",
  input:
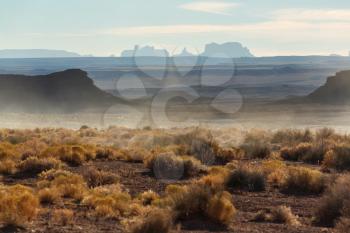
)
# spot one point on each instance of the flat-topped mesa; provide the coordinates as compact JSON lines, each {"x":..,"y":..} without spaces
{"x":336,"y":90}
{"x":64,"y":92}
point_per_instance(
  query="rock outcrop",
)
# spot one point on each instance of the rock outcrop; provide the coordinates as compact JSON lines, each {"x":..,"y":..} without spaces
{"x":226,"y":50}
{"x":336,"y":90}
{"x":62,"y":92}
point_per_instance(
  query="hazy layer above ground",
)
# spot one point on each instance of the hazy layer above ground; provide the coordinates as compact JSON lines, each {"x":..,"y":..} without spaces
{"x":257,"y":80}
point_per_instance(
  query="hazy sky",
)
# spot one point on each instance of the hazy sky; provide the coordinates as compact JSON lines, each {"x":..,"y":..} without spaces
{"x":105,"y":27}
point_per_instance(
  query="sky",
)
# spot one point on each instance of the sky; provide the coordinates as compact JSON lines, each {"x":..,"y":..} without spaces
{"x":106,"y":27}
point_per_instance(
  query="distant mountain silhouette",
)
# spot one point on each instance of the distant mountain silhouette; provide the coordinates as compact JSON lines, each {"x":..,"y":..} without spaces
{"x":147,"y":51}
{"x":226,"y":50}
{"x":184,"y":53}
{"x":336,"y":90}
{"x":35,"y":53}
{"x":64,"y":92}
{"x":230,"y":49}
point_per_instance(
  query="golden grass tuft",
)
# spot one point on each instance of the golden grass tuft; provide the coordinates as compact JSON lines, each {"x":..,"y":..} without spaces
{"x":96,"y":177}
{"x":34,"y":165}
{"x":48,"y":195}
{"x":63,"y":217}
{"x":7,"y":167}
{"x":280,"y":214}
{"x":220,"y":208}
{"x":157,"y":220}
{"x":18,"y":205}
{"x":300,"y":180}
{"x":247,"y":178}
{"x":109,"y":202}
{"x":335,"y":202}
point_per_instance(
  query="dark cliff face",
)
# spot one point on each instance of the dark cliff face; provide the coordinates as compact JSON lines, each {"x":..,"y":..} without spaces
{"x":336,"y":90}
{"x":64,"y":92}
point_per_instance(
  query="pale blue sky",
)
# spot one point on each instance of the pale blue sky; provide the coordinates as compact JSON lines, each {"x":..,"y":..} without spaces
{"x":104,"y":27}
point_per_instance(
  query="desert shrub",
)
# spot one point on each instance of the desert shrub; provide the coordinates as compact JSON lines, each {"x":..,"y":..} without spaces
{"x":137,"y":155}
{"x":67,"y":184}
{"x":216,"y":178}
{"x":343,"y":225}
{"x":225,"y":156}
{"x":192,"y":166}
{"x":256,"y":145}
{"x":109,"y":202}
{"x":300,"y":180}
{"x":72,"y":155}
{"x":53,"y":173}
{"x":108,"y":153}
{"x":7,"y":167}
{"x":48,"y":195}
{"x":198,"y":200}
{"x":338,"y":158}
{"x":220,"y":208}
{"x":204,"y":149}
{"x":247,"y":178}
{"x":334,"y":202}
{"x":18,"y":205}
{"x":148,"y":197}
{"x":307,"y":152}
{"x":166,"y":166}
{"x":34,"y":165}
{"x":8,"y":151}
{"x":270,"y":166}
{"x":275,"y":171}
{"x":157,"y":220}
{"x":96,"y":177}
{"x":281,"y":214}
{"x":63,"y":217}
{"x":292,"y":137}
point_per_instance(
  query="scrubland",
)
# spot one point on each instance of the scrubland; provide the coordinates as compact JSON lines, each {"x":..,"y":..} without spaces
{"x":174,"y":180}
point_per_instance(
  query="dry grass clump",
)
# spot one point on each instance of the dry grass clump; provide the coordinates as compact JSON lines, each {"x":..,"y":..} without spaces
{"x":148,"y":197}
{"x":96,"y":177}
{"x":18,"y":205}
{"x":156,"y":220}
{"x":281,"y":214}
{"x":198,"y":200}
{"x":275,"y":171}
{"x":300,"y":180}
{"x":306,"y":152}
{"x":7,"y":167}
{"x":8,"y":151}
{"x":166,"y":166}
{"x":67,"y":184}
{"x":256,"y":144}
{"x":290,"y":137}
{"x":338,"y":157}
{"x":137,"y":155}
{"x":34,"y":165}
{"x":220,"y":208}
{"x":48,"y":195}
{"x":63,"y":217}
{"x":247,"y":178}
{"x":343,"y":225}
{"x":109,"y":202}
{"x":335,"y":203}
{"x":109,"y":153}
{"x":72,"y":155}
{"x":217,"y":177}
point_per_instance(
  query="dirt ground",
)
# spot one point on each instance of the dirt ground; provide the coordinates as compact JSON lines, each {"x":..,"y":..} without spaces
{"x":136,"y":178}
